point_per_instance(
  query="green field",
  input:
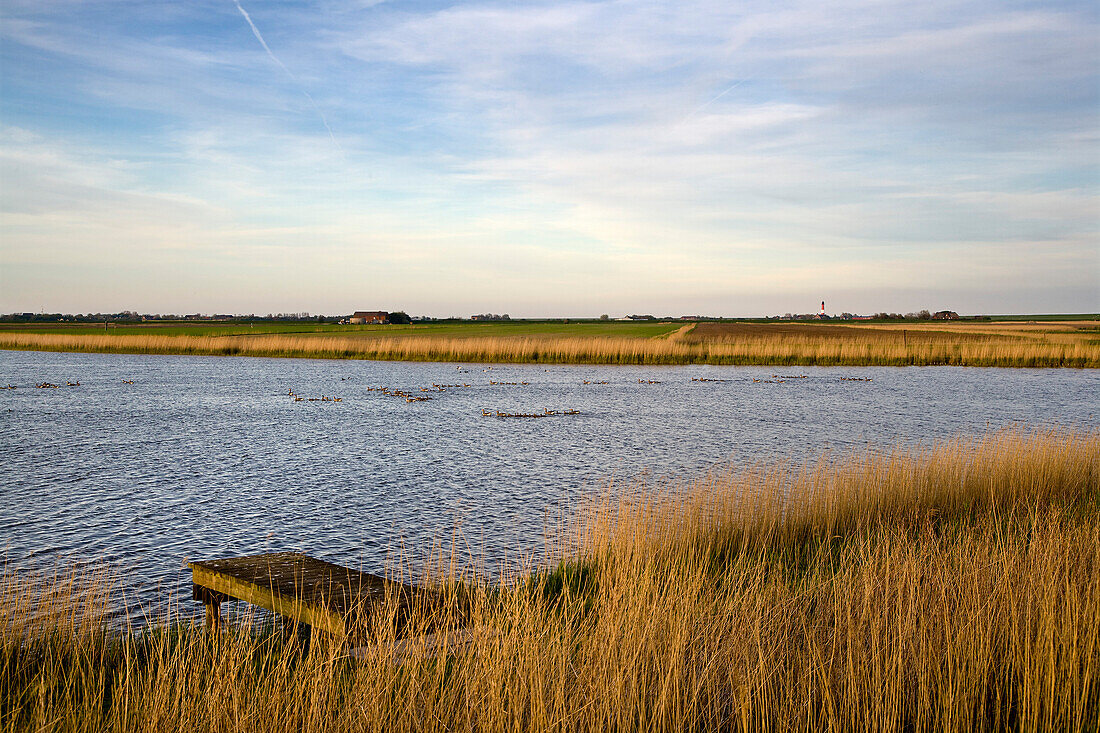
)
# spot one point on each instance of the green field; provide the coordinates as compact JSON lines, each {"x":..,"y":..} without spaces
{"x":445,"y":329}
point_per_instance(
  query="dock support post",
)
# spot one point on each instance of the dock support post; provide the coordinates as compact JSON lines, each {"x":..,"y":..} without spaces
{"x":213,"y":602}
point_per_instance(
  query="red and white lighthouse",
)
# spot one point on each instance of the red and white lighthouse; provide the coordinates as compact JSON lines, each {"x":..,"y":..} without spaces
{"x":823,"y":307}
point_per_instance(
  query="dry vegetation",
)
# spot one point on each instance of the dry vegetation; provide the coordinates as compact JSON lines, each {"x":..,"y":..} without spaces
{"x":994,"y":345}
{"x":955,"y":588}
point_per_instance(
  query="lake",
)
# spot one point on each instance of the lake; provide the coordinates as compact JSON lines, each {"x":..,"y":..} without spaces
{"x":205,"y":457}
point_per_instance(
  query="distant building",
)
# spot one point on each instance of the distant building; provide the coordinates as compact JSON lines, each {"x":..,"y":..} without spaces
{"x":362,"y":317}
{"x":945,"y":316}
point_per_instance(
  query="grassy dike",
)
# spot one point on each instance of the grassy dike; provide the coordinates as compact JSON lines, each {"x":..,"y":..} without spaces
{"x":951,"y":588}
{"x":860,"y":348}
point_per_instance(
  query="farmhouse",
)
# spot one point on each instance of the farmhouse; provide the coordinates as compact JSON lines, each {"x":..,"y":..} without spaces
{"x":945,"y":316}
{"x":369,"y":317}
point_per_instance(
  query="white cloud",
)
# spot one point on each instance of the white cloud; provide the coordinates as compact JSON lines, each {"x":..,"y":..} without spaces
{"x":627,"y":148}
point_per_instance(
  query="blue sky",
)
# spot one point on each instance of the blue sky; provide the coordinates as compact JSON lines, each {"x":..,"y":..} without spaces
{"x":560,"y":158}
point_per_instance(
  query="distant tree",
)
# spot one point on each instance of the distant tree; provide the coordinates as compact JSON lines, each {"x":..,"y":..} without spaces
{"x":924,"y":315}
{"x":605,"y":317}
{"x":400,"y":317}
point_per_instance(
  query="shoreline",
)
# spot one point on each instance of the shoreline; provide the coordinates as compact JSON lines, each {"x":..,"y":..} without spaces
{"x":781,"y":351}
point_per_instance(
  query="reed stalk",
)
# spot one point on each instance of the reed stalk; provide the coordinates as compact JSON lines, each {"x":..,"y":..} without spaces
{"x":860,"y":349}
{"x":955,"y":587}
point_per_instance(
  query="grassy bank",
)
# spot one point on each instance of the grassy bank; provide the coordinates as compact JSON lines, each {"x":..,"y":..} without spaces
{"x":763,"y":344}
{"x":954,"y":588}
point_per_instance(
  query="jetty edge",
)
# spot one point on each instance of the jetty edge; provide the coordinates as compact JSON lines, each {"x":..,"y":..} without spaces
{"x":306,"y":591}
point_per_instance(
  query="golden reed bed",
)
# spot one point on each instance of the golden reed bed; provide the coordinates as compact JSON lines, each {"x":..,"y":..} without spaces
{"x":955,"y":588}
{"x":863,"y":347}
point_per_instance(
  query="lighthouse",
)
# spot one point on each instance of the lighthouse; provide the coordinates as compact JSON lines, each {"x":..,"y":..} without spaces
{"x":823,"y":307}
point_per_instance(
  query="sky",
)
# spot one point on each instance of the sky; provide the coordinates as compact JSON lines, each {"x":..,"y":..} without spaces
{"x":549,"y":158}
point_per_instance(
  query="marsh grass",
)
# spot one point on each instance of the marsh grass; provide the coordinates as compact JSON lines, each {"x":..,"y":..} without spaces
{"x":955,"y":587}
{"x":864,"y":347}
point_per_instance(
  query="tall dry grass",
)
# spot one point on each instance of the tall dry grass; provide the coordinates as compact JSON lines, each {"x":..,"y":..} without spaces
{"x":860,"y":349}
{"x":953,"y":588}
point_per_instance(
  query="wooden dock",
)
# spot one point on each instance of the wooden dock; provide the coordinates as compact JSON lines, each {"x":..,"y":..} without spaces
{"x":301,"y":589}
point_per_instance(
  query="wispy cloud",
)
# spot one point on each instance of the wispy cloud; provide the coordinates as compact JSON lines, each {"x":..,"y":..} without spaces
{"x":739,"y":155}
{"x":273,"y":57}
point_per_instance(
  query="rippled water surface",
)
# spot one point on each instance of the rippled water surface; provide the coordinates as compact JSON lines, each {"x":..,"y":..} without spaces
{"x":209,"y":456}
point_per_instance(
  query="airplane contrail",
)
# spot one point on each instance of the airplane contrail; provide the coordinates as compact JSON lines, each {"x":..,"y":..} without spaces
{"x":712,"y":100}
{"x":260,"y":38}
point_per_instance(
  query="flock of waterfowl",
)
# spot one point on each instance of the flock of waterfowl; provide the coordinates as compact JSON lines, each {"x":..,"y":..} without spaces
{"x":410,"y":397}
{"x":51,"y":385}
{"x":413,"y":397}
{"x":546,"y":413}
{"x":776,"y":379}
{"x":781,"y":378}
{"x":398,"y":393}
{"x":322,"y":398}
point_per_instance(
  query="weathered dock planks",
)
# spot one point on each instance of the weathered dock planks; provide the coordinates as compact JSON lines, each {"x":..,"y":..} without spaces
{"x":303,"y":589}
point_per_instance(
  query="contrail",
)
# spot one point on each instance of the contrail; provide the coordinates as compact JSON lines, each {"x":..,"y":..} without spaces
{"x":709,"y":102}
{"x":260,"y":38}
